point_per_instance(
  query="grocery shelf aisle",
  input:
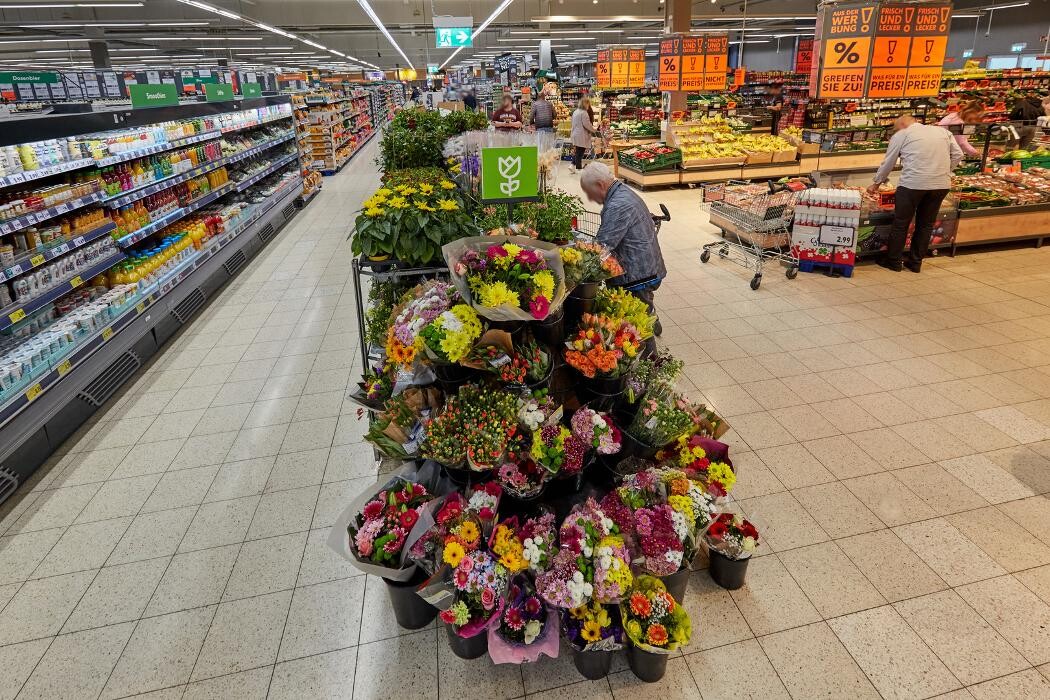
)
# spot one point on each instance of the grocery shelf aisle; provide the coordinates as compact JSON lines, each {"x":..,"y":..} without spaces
{"x":891,"y":433}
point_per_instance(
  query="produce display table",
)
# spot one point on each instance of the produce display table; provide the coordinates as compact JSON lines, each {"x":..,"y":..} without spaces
{"x":1001,"y":224}
{"x":620,"y":144}
{"x":655,"y":178}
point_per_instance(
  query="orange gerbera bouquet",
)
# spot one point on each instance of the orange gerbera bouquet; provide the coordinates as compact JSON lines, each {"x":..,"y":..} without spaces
{"x":603,"y":346}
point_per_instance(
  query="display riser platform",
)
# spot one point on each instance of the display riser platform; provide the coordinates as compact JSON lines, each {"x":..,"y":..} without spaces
{"x":36,"y":432}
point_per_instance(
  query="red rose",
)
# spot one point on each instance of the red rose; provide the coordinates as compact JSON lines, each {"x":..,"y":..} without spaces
{"x":717,"y":530}
{"x":486,"y":513}
{"x":409,"y":518}
{"x":748,"y":530}
{"x":447,"y":616}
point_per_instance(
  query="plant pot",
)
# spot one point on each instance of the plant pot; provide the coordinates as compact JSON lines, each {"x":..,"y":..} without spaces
{"x":467,"y":647}
{"x":380,"y":263}
{"x":677,"y":584}
{"x":575,"y":308}
{"x":727,"y":573}
{"x":411,"y":611}
{"x":452,"y":376}
{"x":585,"y":290}
{"x":551,"y":330}
{"x":545,"y":382}
{"x":607,"y":386}
{"x":513,"y":327}
{"x":646,"y":665}
{"x":633,"y":447}
{"x":592,"y":665}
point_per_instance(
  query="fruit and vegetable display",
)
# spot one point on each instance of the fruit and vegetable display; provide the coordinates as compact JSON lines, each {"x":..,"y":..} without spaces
{"x":651,"y":156}
{"x":1002,"y":188}
{"x":1028,"y":158}
{"x":635,"y":128}
{"x":713,"y":140}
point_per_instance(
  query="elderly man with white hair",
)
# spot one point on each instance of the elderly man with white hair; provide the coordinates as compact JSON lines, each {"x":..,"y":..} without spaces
{"x":628,"y":230}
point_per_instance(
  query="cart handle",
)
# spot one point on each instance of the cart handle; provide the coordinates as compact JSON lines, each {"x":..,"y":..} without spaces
{"x":666,"y":214}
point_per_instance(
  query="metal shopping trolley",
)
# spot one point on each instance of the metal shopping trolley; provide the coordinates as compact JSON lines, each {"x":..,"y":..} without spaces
{"x":755,"y":223}
{"x":588,"y":222}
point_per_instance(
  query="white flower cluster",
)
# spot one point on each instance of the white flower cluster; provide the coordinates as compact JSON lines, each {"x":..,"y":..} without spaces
{"x":604,"y":558}
{"x":682,"y":528}
{"x":479,"y":499}
{"x":674,"y":557}
{"x":530,"y":415}
{"x":532,"y":551}
{"x":704,"y":509}
{"x":450,"y":322}
{"x":579,"y":590}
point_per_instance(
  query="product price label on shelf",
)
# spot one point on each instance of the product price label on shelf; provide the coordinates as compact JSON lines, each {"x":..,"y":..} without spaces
{"x":64,"y":367}
{"x":78,"y":241}
{"x":36,"y":260}
{"x":107,"y":333}
{"x":33,"y":392}
{"x":61,"y":249}
{"x":140,"y":307}
{"x":15,"y":269}
{"x":76,"y":282}
{"x":837,"y":235}
{"x":881,"y":49}
{"x":16,"y":316}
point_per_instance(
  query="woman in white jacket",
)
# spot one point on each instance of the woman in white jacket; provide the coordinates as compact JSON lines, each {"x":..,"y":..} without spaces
{"x":581,"y":132}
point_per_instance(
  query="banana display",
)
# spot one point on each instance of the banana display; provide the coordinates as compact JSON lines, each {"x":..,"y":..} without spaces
{"x":712,"y":138}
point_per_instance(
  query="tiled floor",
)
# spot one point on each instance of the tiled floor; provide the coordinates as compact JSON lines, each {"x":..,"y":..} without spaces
{"x":892,"y":434}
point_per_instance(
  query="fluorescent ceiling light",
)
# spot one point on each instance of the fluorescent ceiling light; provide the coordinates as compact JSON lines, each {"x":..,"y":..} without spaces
{"x":70,"y":4}
{"x":1004,"y":7}
{"x":199,"y":38}
{"x":722,"y":18}
{"x":565,"y":31}
{"x":44,"y":41}
{"x":977,"y":16}
{"x":561,"y":38}
{"x":553,"y":19}
{"x":382,"y":27}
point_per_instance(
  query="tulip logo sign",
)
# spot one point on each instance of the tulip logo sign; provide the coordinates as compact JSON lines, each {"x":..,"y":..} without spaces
{"x":509,"y":174}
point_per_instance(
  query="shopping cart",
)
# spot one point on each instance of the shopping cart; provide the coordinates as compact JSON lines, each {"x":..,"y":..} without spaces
{"x":756,"y":226}
{"x":588,"y":222}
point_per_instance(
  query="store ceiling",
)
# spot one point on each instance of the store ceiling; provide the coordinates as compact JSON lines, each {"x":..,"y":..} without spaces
{"x":340,"y":34}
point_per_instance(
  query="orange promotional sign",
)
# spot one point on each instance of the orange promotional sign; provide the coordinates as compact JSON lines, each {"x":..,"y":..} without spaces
{"x":636,"y":72}
{"x":881,"y":49}
{"x":603,"y":70}
{"x":693,"y":63}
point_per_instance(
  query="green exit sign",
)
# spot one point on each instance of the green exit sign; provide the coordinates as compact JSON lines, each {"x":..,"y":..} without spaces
{"x":27,"y":78}
{"x":144,"y":96}
{"x":218,"y":92}
{"x":452,"y":37}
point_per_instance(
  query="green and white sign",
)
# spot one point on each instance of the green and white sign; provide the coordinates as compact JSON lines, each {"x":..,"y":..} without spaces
{"x":27,"y":78}
{"x":144,"y":96}
{"x":509,"y":174}
{"x":218,"y":92}
{"x":452,"y":37}
{"x":433,"y":68}
{"x":251,"y":90}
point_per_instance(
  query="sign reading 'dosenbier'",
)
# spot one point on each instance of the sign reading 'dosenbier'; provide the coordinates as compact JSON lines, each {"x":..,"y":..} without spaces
{"x":143,"y":96}
{"x":509,"y":174}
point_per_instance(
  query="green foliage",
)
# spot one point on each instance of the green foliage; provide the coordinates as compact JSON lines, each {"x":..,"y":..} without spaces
{"x":382,"y":298}
{"x":412,"y":177}
{"x":465,"y":120}
{"x":413,"y":139}
{"x":551,"y":216}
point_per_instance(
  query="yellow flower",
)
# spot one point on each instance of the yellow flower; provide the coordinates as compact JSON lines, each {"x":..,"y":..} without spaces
{"x":570,"y":256}
{"x":723,"y":474}
{"x":408,"y":191}
{"x":426,"y":188}
{"x":448,"y":185}
{"x":423,"y":206}
{"x":591,"y":632}
{"x":578,"y":613}
{"x":374,"y":211}
{"x":447,"y":205}
{"x":398,"y":203}
{"x":383,"y":192}
{"x":544,"y":283}
{"x":400,"y":189}
{"x":453,"y":553}
{"x":497,"y":294}
{"x":468,"y":531}
{"x":512,"y":250}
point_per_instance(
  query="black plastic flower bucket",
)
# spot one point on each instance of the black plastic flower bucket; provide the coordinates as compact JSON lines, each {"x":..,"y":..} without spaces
{"x":580,"y":301}
{"x":410,"y":610}
{"x":467,"y":647}
{"x":646,"y":665}
{"x":633,"y":447}
{"x":727,"y":573}
{"x":592,"y":665}
{"x":551,"y":330}
{"x":677,"y":584}
{"x":452,"y":376}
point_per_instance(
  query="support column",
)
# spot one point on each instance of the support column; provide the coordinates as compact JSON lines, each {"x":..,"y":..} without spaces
{"x":678,"y":18}
{"x":99,"y":54}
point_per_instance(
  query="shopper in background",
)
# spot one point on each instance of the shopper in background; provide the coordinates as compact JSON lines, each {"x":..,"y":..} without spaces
{"x":507,"y":116}
{"x":776,"y":105}
{"x":928,"y":154}
{"x":1026,"y":109}
{"x":969,"y":113}
{"x":542,"y":116}
{"x":627,"y":229}
{"x":469,"y":100}
{"x":581,"y":132}
{"x":1044,"y":121}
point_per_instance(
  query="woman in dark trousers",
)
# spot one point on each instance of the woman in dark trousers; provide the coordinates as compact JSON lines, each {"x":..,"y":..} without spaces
{"x":582,"y":132}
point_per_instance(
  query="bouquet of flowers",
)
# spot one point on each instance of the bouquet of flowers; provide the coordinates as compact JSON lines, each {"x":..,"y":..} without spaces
{"x":477,"y":424}
{"x":585,"y":262}
{"x":603,"y":346}
{"x":592,"y":563}
{"x":559,"y":451}
{"x":374,"y":389}
{"x":596,"y":430}
{"x":536,"y":409}
{"x":593,"y":627}
{"x":396,"y":430}
{"x":655,"y":375}
{"x":621,"y":305}
{"x":450,"y":336}
{"x":526,"y":546}
{"x":418,"y":308}
{"x":480,"y":584}
{"x":652,"y":528}
{"x":507,"y":278}
{"x":732,"y":536}
{"x":379,"y":532}
{"x":484,"y":500}
{"x":661,"y":421}
{"x":536,"y":359}
{"x":526,"y":629}
{"x":456,"y":532}
{"x":652,"y":619}
{"x":508,"y":366}
{"x":522,"y":477}
{"x":688,"y":454}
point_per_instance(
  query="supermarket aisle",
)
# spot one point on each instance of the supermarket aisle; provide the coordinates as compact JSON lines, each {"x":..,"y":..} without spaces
{"x":891,"y":433}
{"x":201,"y":498}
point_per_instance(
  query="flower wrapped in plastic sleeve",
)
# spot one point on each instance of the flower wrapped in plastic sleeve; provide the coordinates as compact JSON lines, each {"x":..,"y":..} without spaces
{"x":527,"y":628}
{"x":652,"y":619}
{"x":507,"y":278}
{"x":593,"y":627}
{"x":356,"y":534}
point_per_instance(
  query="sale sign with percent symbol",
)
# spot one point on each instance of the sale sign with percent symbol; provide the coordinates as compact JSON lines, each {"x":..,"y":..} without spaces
{"x":603,"y":69}
{"x":880,"y":49}
{"x":693,"y":63}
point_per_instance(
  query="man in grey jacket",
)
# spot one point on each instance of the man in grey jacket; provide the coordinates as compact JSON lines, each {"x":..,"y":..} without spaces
{"x":542,"y":115}
{"x":627,"y":229}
